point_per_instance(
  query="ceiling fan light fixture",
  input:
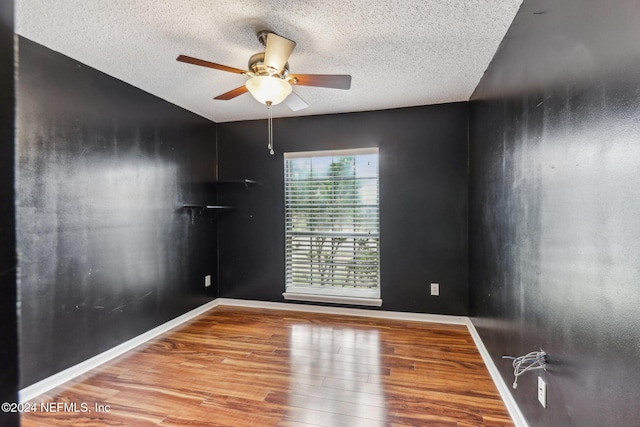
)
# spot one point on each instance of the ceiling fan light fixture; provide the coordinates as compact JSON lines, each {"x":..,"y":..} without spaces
{"x":268,"y":89}
{"x":269,"y":79}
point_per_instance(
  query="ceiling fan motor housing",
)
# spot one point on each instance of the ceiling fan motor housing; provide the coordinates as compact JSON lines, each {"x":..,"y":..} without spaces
{"x":258,"y":68}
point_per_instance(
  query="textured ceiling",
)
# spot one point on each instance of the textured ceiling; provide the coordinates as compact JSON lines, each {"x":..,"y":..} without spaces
{"x":400,"y":53}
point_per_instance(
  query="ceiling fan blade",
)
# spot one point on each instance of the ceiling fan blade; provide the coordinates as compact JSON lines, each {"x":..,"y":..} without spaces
{"x":294,"y":102}
{"x":232,"y":93}
{"x":335,"y":81}
{"x":203,"y":63}
{"x":278,"y":51}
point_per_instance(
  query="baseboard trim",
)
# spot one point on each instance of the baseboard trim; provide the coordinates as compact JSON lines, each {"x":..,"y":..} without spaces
{"x":379,"y":314}
{"x":503,"y":388}
{"x":72,"y":372}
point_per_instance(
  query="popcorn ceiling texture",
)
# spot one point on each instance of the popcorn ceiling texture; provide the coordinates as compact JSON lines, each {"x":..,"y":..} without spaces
{"x":399,"y":53}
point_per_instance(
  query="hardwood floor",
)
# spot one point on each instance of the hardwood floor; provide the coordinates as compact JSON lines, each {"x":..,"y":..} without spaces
{"x":250,"y":367}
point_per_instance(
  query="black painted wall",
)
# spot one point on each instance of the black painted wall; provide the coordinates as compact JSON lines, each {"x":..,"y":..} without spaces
{"x":423,"y":201}
{"x":106,"y":252}
{"x":8,"y":288}
{"x":555,"y":208}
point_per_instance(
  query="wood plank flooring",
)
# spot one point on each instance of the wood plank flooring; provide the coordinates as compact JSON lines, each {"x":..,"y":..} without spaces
{"x":251,"y":367}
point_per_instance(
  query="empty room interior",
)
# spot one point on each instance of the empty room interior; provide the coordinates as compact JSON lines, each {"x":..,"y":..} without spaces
{"x":320,"y":213}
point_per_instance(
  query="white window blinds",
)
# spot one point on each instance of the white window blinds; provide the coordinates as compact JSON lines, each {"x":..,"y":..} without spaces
{"x":332,"y":222}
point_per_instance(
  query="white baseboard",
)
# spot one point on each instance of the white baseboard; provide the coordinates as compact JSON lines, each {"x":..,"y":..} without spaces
{"x":503,"y":388}
{"x":378,"y":314}
{"x":68,"y":374}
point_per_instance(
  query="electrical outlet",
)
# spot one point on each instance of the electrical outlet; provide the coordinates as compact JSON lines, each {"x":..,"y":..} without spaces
{"x":542,"y":392}
{"x":207,"y":280}
{"x":435,"y":289}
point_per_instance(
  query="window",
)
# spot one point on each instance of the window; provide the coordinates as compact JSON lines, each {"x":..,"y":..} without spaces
{"x":332,"y":224}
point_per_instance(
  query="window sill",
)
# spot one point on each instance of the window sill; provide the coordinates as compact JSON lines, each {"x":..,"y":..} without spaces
{"x":298,"y":296}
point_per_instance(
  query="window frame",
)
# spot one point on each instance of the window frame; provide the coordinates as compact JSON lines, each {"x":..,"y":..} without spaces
{"x":334,"y":292}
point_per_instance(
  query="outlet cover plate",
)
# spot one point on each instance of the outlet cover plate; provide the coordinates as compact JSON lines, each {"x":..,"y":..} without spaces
{"x":435,"y":289}
{"x":542,"y":392}
{"x":207,"y":280}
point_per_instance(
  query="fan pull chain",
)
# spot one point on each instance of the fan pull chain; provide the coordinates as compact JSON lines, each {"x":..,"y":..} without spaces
{"x":270,"y":129}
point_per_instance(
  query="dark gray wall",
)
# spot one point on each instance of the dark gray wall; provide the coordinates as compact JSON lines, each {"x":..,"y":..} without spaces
{"x":105,"y":251}
{"x":423,"y":201}
{"x":555,"y":208}
{"x":8,"y":289}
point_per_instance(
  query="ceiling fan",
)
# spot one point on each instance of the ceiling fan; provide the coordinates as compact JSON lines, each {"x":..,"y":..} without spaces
{"x":270,"y":81}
